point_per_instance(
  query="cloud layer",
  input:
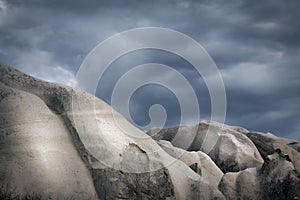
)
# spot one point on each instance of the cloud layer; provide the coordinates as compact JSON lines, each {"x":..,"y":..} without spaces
{"x":255,"y":44}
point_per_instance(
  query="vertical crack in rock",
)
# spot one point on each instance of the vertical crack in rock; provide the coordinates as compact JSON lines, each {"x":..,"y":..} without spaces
{"x":109,"y":183}
{"x":122,"y":184}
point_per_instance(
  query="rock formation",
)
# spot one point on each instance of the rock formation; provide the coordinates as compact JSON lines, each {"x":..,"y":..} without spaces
{"x":255,"y":165}
{"x":61,"y":143}
{"x":233,"y":150}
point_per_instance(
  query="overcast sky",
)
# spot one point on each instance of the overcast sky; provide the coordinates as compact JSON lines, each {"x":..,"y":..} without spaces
{"x":255,"y":44}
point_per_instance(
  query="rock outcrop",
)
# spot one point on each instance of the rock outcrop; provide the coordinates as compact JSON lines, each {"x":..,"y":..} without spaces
{"x":37,"y":154}
{"x":268,"y":144}
{"x":276,"y":179}
{"x":255,"y":165}
{"x":197,"y":161}
{"x":232,"y":150}
{"x":60,"y":143}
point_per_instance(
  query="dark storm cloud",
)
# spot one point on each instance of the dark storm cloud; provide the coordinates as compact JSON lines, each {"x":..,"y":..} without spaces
{"x":255,"y":44}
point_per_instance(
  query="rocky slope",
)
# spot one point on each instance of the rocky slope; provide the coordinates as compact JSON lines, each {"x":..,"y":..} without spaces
{"x":255,"y":165}
{"x":61,"y":143}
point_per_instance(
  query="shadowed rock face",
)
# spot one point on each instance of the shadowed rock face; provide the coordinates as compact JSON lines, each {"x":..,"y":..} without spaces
{"x":274,"y":174}
{"x":63,"y":143}
{"x":197,"y":161}
{"x":232,"y":150}
{"x":276,"y":179}
{"x":268,"y":144}
{"x":295,"y":145}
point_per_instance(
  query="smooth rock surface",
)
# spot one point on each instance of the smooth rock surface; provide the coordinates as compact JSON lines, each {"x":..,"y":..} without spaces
{"x":268,"y":144}
{"x":37,"y":154}
{"x":63,"y":143}
{"x":241,"y":185}
{"x":232,"y":150}
{"x":201,"y":163}
{"x":276,"y":179}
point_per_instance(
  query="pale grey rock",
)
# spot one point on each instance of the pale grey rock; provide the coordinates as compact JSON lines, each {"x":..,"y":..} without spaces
{"x":65,"y":143}
{"x":268,"y":144}
{"x":241,"y":185}
{"x":279,"y":179}
{"x":201,"y":163}
{"x":295,"y":145}
{"x":232,"y":150}
{"x":37,"y":154}
{"x":42,"y":150}
{"x":276,"y":179}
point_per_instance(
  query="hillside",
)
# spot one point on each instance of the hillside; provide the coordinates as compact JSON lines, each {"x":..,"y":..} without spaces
{"x":61,"y":143}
